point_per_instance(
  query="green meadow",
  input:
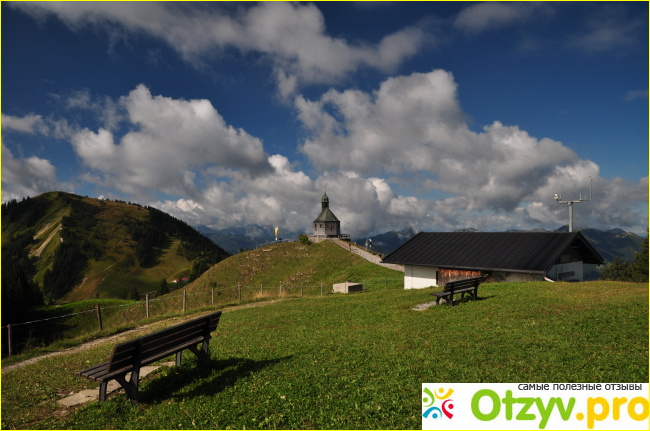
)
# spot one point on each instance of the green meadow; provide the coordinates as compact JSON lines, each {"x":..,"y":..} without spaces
{"x":356,"y":361}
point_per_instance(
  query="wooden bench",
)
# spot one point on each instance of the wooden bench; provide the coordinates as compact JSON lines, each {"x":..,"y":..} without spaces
{"x":468,"y":285}
{"x":130,"y":356}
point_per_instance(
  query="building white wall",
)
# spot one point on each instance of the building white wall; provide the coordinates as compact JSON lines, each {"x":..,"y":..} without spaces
{"x":419,"y":277}
{"x":575,"y":267}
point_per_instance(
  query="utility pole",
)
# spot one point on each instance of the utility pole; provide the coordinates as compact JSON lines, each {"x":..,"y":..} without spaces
{"x":570,"y":204}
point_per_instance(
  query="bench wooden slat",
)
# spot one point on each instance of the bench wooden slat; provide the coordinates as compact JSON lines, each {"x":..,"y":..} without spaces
{"x":110,"y":376}
{"x":163,"y":347}
{"x":91,"y":370}
{"x":171,"y":330}
{"x":151,"y":343}
{"x":459,"y":286}
{"x":151,"y":348}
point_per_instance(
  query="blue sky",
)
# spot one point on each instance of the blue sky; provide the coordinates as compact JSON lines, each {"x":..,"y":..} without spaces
{"x":435,"y":116}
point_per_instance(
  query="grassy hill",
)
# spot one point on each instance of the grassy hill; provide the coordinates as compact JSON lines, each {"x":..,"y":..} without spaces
{"x":289,"y":264}
{"x":75,"y":247}
{"x":356,"y":361}
{"x":292,"y":264}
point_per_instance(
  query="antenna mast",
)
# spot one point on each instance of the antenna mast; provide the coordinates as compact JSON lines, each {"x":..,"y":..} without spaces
{"x":570,"y":203}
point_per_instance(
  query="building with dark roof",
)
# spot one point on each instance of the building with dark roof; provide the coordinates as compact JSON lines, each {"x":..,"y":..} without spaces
{"x":326,"y":224}
{"x":435,"y":258}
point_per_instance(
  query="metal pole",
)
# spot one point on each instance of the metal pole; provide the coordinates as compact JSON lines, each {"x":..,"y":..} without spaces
{"x":99,"y":317}
{"x":9,"y":338}
{"x":146,"y":299}
{"x":570,"y":216}
{"x":184,"y":296}
{"x":239,"y":291}
{"x":280,"y":289}
{"x":212,"y":297}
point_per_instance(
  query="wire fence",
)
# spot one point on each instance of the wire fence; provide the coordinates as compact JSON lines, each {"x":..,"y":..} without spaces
{"x":25,"y":336}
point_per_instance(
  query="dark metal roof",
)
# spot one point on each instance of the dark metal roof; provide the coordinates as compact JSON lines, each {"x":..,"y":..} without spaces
{"x":326,"y":215}
{"x":529,"y":252}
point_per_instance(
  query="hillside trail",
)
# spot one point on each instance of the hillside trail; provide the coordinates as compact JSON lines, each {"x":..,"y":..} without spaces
{"x":38,"y":251}
{"x":131,"y":332}
{"x":368,"y":256}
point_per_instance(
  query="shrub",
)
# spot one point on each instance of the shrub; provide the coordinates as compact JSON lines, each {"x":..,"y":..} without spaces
{"x":304,"y":239}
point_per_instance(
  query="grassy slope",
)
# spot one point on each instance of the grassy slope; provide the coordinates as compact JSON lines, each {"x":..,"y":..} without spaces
{"x":289,"y":263}
{"x":292,"y":264}
{"x":117,"y":268}
{"x":358,"y":361}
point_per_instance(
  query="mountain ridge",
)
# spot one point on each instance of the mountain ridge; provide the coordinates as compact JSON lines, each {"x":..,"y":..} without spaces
{"x":73,"y":247}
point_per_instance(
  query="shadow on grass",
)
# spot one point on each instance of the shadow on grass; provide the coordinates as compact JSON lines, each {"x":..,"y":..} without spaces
{"x":223,"y":373}
{"x":467,"y":299}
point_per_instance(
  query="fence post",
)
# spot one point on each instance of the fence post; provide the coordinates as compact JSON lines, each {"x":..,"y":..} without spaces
{"x":262,"y":289}
{"x":184,"y":296}
{"x":9,"y":338}
{"x":213,"y":297}
{"x":321,"y":288}
{"x":280,"y":289}
{"x":364,"y":284}
{"x":239,"y":291}
{"x":386,"y":283}
{"x":301,"y":289}
{"x":146,"y":299}
{"x":99,"y":317}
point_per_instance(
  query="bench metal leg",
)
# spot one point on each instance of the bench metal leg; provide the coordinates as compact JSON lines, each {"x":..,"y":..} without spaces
{"x":131,"y":387}
{"x":203,"y":354}
{"x":102,"y":391}
{"x":179,"y":355}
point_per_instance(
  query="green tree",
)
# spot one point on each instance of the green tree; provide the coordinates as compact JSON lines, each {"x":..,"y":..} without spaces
{"x":618,"y":270}
{"x":134,"y":295}
{"x":163,"y":287}
{"x":639,"y":267}
{"x":199,"y":266}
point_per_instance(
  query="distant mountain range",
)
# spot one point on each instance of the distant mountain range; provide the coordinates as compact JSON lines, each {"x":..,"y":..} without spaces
{"x":609,"y":243}
{"x":248,"y":237}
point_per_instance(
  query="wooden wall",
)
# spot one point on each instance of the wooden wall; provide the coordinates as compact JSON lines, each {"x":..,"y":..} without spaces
{"x":447,"y":275}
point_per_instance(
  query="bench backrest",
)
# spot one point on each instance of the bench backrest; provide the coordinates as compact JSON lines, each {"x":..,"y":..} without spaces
{"x":148,"y":347}
{"x":459,"y":284}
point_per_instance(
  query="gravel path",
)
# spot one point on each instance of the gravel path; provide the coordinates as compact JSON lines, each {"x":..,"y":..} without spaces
{"x":368,"y":256}
{"x":127,"y":334}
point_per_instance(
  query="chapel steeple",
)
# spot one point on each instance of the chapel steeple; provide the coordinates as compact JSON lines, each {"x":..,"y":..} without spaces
{"x":325,"y":202}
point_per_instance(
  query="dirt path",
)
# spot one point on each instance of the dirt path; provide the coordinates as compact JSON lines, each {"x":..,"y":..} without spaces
{"x":47,"y":241}
{"x":128,"y":334}
{"x":368,"y":256}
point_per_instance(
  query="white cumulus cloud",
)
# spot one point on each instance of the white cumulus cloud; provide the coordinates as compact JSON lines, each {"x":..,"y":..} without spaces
{"x":169,"y":138}
{"x":413,"y":125}
{"x":291,"y":35}
{"x":28,"y":176}
{"x":480,"y":17}
{"x":30,"y":123}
